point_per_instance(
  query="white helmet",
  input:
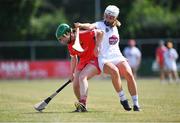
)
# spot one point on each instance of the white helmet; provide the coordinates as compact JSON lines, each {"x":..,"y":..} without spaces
{"x":112,"y":10}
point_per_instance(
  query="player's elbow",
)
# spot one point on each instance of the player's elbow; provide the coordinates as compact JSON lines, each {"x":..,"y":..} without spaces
{"x":100,"y":33}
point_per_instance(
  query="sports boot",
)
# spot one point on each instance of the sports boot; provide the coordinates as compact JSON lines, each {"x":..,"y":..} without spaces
{"x":80,"y":107}
{"x":125,"y":105}
{"x":136,"y":108}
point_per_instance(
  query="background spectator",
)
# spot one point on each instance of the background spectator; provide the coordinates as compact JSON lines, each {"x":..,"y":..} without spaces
{"x":133,"y":54}
{"x":160,"y":59}
{"x":170,"y":57}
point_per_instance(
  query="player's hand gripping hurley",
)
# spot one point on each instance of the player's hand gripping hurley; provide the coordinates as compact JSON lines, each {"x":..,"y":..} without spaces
{"x":41,"y":105}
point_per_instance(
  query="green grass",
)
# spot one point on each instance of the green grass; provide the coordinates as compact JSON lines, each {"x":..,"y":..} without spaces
{"x":159,"y":102}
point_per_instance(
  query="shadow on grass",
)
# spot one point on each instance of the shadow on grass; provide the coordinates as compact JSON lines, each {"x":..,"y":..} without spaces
{"x":88,"y":112}
{"x":42,"y":112}
{"x":62,"y":112}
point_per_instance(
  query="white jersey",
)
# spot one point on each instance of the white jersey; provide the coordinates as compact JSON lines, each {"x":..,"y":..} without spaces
{"x":109,"y":47}
{"x":132,"y":54}
{"x":170,"y":57}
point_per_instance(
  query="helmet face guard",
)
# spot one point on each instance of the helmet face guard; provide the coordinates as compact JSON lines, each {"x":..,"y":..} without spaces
{"x":62,"y":29}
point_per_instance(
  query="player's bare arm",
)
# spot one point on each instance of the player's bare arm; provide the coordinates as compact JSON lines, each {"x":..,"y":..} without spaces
{"x":87,"y":26}
{"x":74,"y":61}
{"x":99,"y":36}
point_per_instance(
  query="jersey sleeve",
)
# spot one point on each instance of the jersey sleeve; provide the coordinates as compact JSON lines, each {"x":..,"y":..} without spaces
{"x":99,"y":24}
{"x":96,"y":24}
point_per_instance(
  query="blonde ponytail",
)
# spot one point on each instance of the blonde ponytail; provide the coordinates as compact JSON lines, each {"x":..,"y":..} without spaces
{"x":117,"y":23}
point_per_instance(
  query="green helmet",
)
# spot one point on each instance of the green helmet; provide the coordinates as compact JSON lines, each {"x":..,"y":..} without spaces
{"x":62,"y":29}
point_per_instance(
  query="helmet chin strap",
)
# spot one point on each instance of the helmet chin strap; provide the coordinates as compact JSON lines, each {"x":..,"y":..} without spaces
{"x":70,"y":38}
{"x":108,"y":24}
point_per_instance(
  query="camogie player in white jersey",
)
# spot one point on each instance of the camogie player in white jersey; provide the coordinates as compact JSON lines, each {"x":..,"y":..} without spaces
{"x":170,"y":57}
{"x":111,"y":61}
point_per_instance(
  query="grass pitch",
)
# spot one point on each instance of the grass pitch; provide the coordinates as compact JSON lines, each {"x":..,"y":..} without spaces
{"x":159,"y":102}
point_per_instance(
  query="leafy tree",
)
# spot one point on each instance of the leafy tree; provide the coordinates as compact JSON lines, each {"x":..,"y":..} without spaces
{"x":79,"y":10}
{"x":38,"y":19}
{"x":46,"y":19}
{"x":44,"y":26}
{"x":147,"y":20}
{"x":15,"y":18}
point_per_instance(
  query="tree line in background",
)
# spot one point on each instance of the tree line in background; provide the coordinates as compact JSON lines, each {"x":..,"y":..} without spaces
{"x":38,"y":19}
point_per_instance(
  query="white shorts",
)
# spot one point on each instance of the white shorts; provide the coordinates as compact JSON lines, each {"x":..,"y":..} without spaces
{"x":171,"y":66}
{"x":114,"y":60}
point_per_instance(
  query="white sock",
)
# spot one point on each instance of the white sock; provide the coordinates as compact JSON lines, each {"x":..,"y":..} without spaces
{"x":135,"y":100}
{"x":122,"y":95}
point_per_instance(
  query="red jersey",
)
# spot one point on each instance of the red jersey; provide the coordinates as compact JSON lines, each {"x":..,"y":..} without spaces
{"x":160,"y":54}
{"x":87,"y":41}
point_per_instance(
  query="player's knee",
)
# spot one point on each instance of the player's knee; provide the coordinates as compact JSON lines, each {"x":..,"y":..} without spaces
{"x":114,"y":72}
{"x":129,"y":76}
{"x":82,"y":76}
{"x":75,"y":83}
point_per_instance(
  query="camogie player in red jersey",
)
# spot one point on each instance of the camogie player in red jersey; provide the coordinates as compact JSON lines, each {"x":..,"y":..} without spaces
{"x":87,"y":65}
